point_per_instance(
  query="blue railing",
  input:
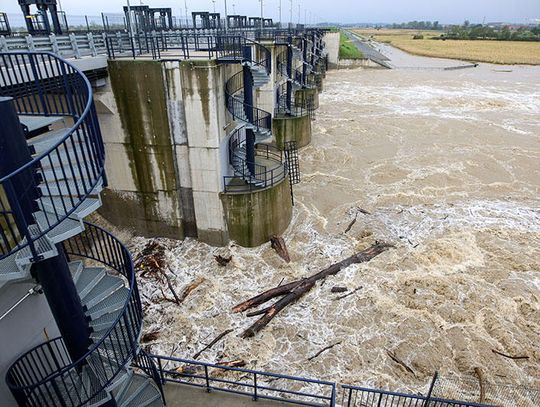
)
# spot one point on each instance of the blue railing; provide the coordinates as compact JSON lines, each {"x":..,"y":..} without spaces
{"x":45,"y":375}
{"x":186,"y":45}
{"x":46,"y":85}
{"x":260,"y":119}
{"x":364,"y":397}
{"x":263,"y":176}
{"x":256,"y":384}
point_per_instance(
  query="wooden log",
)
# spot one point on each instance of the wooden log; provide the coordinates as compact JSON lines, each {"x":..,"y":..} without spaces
{"x":509,"y":356}
{"x":278,"y":244}
{"x":323,"y":350}
{"x":216,"y":340}
{"x":293,"y":291}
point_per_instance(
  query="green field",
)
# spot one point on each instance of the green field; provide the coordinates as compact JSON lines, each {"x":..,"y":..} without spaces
{"x":347,"y":49}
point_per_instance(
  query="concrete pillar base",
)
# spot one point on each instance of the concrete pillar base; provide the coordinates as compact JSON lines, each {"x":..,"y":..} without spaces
{"x":290,"y":128}
{"x":254,"y":217}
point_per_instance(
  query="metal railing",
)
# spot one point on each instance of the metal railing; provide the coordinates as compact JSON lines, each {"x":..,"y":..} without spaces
{"x":247,"y":382}
{"x":66,"y":46}
{"x":186,"y":45}
{"x":260,"y":119}
{"x":44,"y":84}
{"x":353,"y":396}
{"x":263,"y":176}
{"x":46,"y":376}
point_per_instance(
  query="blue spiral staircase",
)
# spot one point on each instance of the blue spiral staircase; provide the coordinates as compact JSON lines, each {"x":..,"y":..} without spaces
{"x":257,"y":164}
{"x":298,"y":52}
{"x":43,"y":202}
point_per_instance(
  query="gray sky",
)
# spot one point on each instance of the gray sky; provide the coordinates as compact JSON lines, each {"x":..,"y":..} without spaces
{"x":346,"y":11}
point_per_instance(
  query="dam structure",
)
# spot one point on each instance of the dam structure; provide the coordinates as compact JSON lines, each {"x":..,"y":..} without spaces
{"x":170,"y":129}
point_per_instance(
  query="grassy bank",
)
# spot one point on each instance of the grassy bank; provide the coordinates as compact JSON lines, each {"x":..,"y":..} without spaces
{"x":347,"y":50}
{"x":497,"y":52}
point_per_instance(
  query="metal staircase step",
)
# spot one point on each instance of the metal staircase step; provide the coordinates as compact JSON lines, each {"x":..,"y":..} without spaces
{"x":88,"y":279}
{"x":113,"y":302}
{"x":45,"y":248}
{"x":52,"y":204}
{"x":124,"y":385}
{"x":91,"y":384}
{"x":105,"y":287}
{"x":76,"y":268}
{"x":9,"y":270}
{"x":103,"y":367}
{"x":67,"y":228}
{"x":141,"y":392}
{"x":104,"y":322}
{"x":62,"y":173}
{"x":45,"y":141}
{"x":68,"y":188}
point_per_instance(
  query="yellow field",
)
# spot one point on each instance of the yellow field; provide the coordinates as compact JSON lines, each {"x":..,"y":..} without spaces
{"x":498,"y":52}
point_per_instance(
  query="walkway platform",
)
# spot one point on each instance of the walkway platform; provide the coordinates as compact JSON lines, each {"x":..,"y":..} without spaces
{"x":179,"y":395}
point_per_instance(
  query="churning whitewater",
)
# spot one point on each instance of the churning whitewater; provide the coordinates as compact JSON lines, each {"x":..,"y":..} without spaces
{"x":445,"y":165}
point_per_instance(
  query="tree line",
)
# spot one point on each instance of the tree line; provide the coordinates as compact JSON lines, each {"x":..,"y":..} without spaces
{"x":468,"y":31}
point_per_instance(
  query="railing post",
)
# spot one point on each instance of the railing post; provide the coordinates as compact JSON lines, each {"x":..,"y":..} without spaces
{"x":74,"y":45}
{"x":255,"y":397}
{"x":207,"y":379}
{"x":431,"y":386}
{"x":349,"y":401}
{"x":91,"y":43}
{"x":3,"y":44}
{"x":30,"y":42}
{"x":54,"y":44}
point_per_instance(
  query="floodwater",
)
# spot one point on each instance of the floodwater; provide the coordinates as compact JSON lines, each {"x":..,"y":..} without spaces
{"x":447,"y":166}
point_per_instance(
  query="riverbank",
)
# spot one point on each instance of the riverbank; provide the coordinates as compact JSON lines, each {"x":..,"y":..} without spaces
{"x":497,"y":52}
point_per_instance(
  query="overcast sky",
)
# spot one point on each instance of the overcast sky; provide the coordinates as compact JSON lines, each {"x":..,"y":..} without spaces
{"x":346,"y":11}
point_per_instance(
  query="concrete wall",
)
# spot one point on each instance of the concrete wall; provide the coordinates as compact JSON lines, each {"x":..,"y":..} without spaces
{"x":206,"y":128}
{"x":332,"y":47}
{"x":143,"y":189}
{"x":254,"y":217}
{"x":165,"y":129}
{"x":30,"y":324}
{"x":358,"y":63}
{"x":265,"y":96}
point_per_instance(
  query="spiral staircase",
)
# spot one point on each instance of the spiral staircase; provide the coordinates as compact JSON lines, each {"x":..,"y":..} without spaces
{"x":298,"y":78}
{"x":43,"y":204}
{"x":262,"y":167}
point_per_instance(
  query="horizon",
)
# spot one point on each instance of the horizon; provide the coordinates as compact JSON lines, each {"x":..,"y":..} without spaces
{"x":345,"y":12}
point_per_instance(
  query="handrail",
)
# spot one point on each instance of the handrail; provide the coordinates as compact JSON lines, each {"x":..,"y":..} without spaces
{"x":261,"y":119}
{"x":262,"y":176}
{"x":99,"y":245}
{"x":367,"y":397}
{"x":44,"y":84}
{"x":257,"y":390}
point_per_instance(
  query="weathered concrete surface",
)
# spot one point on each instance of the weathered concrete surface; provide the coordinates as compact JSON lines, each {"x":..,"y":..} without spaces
{"x":332,"y":47}
{"x":179,"y":395}
{"x":140,"y":162}
{"x":289,"y":128}
{"x":206,"y":122}
{"x":254,"y":217}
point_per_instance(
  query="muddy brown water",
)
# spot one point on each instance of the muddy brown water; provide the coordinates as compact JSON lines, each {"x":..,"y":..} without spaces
{"x":447,"y":163}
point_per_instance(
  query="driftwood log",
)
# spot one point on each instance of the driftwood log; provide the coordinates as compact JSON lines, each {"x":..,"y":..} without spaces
{"x":278,"y":244}
{"x":291,"y":292}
